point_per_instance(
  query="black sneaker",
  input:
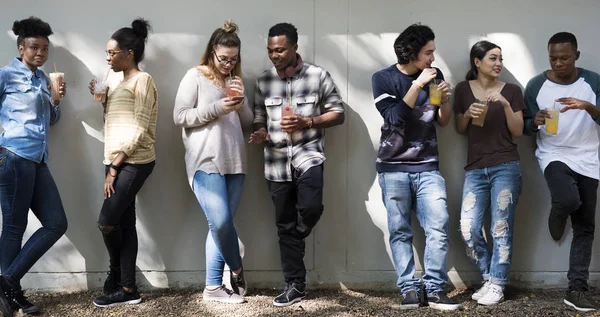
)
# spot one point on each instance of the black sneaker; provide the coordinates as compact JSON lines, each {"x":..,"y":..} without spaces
{"x":111,"y":284}
{"x":293,"y":293}
{"x":556,"y":225}
{"x":411,"y":300}
{"x":579,"y":301}
{"x":441,"y":301}
{"x":120,"y":297}
{"x":5,"y":291}
{"x":19,"y":301}
{"x":238,"y":283}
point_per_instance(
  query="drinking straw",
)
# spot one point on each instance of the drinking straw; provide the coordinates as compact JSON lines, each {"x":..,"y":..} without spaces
{"x":106,"y":77}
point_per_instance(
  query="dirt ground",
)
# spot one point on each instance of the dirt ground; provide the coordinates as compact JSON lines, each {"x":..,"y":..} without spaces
{"x":537,"y":303}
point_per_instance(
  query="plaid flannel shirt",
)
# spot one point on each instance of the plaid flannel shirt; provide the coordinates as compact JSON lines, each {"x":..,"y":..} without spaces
{"x":311,"y":92}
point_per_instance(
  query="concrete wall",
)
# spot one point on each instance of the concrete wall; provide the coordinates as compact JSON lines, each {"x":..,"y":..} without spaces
{"x":350,"y":38}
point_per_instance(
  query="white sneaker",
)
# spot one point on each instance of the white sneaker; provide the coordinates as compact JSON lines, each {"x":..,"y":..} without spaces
{"x":481,"y":291}
{"x":222,"y":294}
{"x":493,"y":296}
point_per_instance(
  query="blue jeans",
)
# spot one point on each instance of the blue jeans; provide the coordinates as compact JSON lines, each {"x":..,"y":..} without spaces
{"x":425,"y":193}
{"x":219,"y":197}
{"x":25,"y":185}
{"x":496,"y":188}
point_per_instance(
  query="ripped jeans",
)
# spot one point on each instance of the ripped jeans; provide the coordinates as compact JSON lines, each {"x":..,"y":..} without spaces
{"x":496,"y":188}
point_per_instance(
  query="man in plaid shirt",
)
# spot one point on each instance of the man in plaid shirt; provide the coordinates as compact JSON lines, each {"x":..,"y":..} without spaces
{"x":294,"y":102}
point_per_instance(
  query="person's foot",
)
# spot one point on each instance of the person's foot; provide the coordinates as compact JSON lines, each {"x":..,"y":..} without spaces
{"x":238,"y":283}
{"x":493,"y":296}
{"x":579,"y":301}
{"x":5,"y":291}
{"x":111,"y":284}
{"x":411,"y":300}
{"x":441,"y":301}
{"x":556,"y":225}
{"x":481,"y":291}
{"x":19,"y":301}
{"x":293,"y":293}
{"x":120,"y":297}
{"x":221,"y":294}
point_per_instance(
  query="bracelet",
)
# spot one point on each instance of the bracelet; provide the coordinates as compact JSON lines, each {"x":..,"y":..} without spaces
{"x":312,"y":121}
{"x":116,"y":168}
{"x":418,"y":83}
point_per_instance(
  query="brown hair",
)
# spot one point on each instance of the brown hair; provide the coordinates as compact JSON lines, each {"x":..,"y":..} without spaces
{"x":224,"y":36}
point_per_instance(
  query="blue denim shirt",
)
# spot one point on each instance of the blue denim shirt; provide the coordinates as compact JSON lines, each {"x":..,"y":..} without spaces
{"x":26,"y":111}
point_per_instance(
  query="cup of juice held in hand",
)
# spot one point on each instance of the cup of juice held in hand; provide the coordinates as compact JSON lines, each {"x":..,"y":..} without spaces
{"x":552,"y":123}
{"x":100,"y":89}
{"x":479,"y":121}
{"x":56,"y":80}
{"x":287,"y":110}
{"x":229,"y":91}
{"x":435,"y":95}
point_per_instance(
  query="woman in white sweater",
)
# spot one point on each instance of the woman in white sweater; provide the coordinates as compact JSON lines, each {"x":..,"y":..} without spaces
{"x":212,"y":109}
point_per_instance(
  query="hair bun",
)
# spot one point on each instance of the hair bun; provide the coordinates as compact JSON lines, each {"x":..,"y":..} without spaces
{"x":141,"y":27}
{"x":230,"y":27}
{"x":17,"y":28}
{"x":31,"y":26}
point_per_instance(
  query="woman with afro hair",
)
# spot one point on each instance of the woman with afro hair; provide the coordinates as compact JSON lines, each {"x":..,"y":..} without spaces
{"x":26,"y":113}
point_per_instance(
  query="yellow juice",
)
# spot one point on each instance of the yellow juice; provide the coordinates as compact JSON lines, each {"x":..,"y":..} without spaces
{"x":435,"y":95}
{"x":552,"y":124}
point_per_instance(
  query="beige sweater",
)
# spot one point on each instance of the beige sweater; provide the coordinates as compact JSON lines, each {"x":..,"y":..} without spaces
{"x":213,"y":140}
{"x":130,"y":120}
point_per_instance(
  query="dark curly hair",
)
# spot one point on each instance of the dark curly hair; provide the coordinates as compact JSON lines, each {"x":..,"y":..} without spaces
{"x":410,"y":42}
{"x":133,"y":38}
{"x":31,"y":27}
{"x":287,"y":29}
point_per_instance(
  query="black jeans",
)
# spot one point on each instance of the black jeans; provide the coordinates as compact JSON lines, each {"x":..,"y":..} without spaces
{"x":575,"y":195}
{"x":298,"y":207}
{"x":117,"y":220}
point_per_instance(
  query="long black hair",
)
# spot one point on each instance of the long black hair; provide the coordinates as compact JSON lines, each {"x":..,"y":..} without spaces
{"x":478,"y":51}
{"x":133,"y":38}
{"x":31,"y":27}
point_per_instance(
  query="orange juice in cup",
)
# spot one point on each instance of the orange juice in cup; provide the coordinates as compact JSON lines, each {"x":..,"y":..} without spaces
{"x":435,"y":95}
{"x":552,"y":123}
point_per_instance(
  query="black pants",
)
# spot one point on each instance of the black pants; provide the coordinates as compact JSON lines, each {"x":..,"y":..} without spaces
{"x":575,"y":195}
{"x":118,"y":219}
{"x":298,"y":207}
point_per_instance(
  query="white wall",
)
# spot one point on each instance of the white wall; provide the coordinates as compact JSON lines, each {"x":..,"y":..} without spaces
{"x":350,"y":38}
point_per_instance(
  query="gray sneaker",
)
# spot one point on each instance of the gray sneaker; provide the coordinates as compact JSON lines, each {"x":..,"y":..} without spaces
{"x":223,"y":295}
{"x":579,"y":301}
{"x":238,"y":283}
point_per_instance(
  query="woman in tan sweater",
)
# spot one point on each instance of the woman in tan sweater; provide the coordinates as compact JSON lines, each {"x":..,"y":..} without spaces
{"x":130,"y":114}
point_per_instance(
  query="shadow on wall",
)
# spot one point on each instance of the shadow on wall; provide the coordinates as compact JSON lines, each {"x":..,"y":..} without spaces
{"x":77,"y":173}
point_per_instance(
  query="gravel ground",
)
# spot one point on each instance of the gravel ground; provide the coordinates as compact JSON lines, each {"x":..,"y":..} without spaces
{"x":318,"y":303}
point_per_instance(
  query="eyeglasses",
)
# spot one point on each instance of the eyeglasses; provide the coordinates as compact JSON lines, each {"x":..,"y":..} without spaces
{"x":224,"y":61}
{"x":111,"y":53}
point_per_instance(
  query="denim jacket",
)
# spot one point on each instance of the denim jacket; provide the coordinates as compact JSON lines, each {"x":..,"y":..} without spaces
{"x":26,"y":111}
